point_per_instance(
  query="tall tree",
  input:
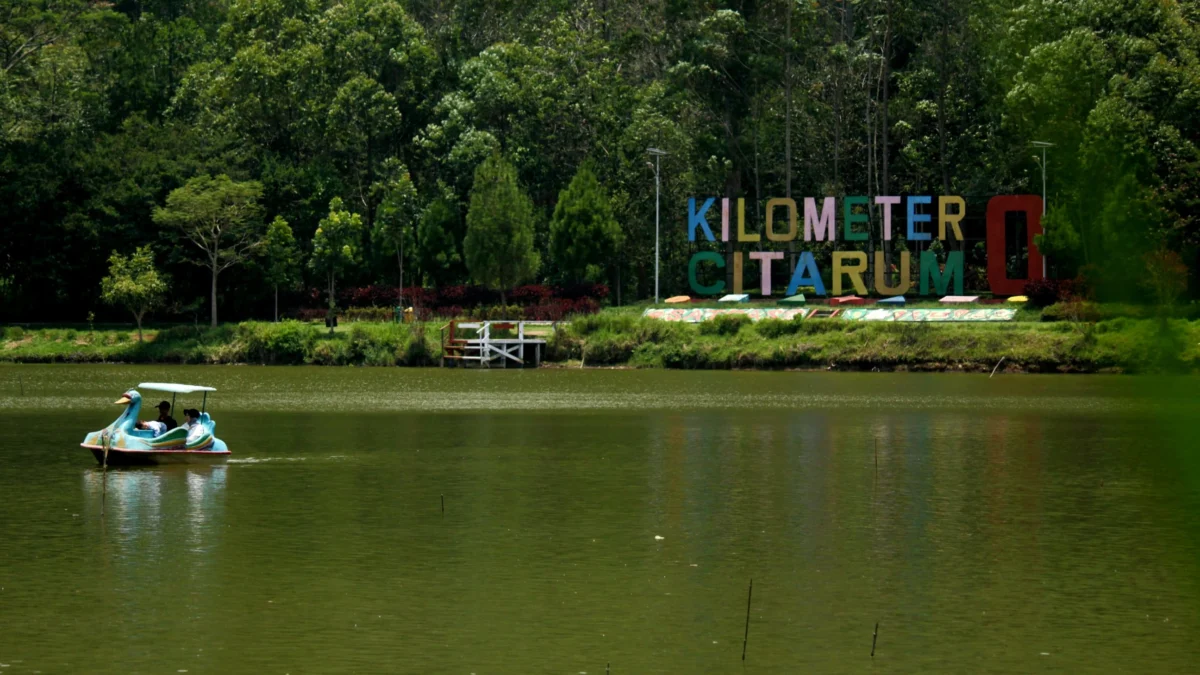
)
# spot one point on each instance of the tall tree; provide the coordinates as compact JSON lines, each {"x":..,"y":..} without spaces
{"x":336,"y":247}
{"x":499,"y":242}
{"x":134,"y":283}
{"x":282,"y":257}
{"x":395,"y":219}
{"x":584,"y":236}
{"x":438,"y":234}
{"x":219,"y":216}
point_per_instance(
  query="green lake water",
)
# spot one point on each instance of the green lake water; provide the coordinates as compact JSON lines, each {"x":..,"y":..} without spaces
{"x":1020,"y":524}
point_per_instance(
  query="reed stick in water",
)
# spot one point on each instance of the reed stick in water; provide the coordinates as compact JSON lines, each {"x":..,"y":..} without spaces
{"x":746,"y":637}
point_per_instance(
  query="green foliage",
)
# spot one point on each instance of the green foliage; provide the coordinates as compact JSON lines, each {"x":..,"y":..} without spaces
{"x":336,"y":244}
{"x":499,"y":244}
{"x":220,"y":217}
{"x":1166,"y":277}
{"x":776,"y":328}
{"x":285,"y":342}
{"x":106,"y":109}
{"x":1107,"y":87}
{"x":584,"y":236}
{"x":282,"y":255}
{"x":396,"y":215}
{"x":437,"y":236}
{"x":725,"y":324}
{"x":134,"y":283}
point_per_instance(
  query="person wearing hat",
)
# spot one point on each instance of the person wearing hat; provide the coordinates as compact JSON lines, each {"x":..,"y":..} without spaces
{"x":164,"y":416}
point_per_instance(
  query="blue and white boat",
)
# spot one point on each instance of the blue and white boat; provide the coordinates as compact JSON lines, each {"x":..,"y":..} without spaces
{"x":122,"y":443}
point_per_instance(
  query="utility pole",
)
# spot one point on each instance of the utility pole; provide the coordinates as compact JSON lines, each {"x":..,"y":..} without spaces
{"x":657,"y":190}
{"x":1043,"y":145}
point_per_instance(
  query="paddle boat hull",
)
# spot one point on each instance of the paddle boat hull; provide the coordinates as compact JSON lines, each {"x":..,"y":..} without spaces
{"x":123,"y":457}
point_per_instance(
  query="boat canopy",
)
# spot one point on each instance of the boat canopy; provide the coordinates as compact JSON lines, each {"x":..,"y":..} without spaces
{"x":176,"y":388}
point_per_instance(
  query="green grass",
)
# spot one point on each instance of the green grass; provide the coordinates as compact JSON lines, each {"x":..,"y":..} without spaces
{"x":1120,"y":345}
{"x":623,"y":338}
{"x":287,"y":342}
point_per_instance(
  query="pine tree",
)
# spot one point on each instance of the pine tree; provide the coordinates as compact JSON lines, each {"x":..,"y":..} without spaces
{"x":499,"y":242}
{"x":584,"y":235}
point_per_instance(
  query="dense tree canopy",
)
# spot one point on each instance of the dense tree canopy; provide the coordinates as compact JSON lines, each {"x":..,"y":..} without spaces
{"x":106,"y":108}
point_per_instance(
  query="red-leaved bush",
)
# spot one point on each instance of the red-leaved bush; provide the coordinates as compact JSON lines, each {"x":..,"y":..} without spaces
{"x":554,"y":298}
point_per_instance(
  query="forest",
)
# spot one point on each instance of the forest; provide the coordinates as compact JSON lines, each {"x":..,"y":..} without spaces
{"x":248,"y":147}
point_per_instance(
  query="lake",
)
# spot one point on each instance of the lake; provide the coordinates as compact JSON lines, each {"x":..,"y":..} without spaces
{"x":1029,"y":524}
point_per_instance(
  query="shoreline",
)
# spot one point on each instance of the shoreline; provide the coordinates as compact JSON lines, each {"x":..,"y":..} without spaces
{"x":623,"y":341}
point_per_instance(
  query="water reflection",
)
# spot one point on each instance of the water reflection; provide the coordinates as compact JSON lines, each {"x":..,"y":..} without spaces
{"x":138,"y":500}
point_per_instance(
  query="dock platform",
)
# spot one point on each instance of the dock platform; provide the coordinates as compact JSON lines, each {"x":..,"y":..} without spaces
{"x":488,"y":344}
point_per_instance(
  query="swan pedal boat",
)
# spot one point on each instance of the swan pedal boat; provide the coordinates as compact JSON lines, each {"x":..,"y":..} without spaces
{"x":128,"y":445}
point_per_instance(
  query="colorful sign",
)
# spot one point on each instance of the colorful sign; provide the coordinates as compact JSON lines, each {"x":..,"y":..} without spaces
{"x":927,"y":315}
{"x":920,"y":213}
{"x":698,"y":315}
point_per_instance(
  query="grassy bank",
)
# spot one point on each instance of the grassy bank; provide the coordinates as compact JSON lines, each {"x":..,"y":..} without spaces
{"x":623,"y":339}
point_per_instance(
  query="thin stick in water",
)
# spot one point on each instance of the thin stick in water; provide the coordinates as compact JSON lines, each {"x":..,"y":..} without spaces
{"x":997,"y":366}
{"x":107,"y":441}
{"x":874,"y":637}
{"x":746,"y":637}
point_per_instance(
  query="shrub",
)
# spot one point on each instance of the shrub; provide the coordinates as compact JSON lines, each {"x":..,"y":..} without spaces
{"x":318,"y":314}
{"x":287,"y":342}
{"x":1166,"y":276}
{"x":14,"y":333}
{"x":1042,"y":292}
{"x":373,"y":314}
{"x":328,"y":353}
{"x":1075,"y":310}
{"x":775,"y":328}
{"x":725,"y":324}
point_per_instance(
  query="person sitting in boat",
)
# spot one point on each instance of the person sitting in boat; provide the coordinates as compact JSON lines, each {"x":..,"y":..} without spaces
{"x":191,"y":422}
{"x":153,"y":426}
{"x":164,"y":416}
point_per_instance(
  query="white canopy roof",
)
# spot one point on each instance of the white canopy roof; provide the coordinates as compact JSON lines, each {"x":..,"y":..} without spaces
{"x":176,"y":388}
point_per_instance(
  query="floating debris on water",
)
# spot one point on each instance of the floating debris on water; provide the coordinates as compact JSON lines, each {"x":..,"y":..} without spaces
{"x":659,"y":537}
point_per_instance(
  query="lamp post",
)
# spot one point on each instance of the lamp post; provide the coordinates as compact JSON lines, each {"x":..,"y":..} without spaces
{"x":657,"y":189}
{"x":1043,"y":145}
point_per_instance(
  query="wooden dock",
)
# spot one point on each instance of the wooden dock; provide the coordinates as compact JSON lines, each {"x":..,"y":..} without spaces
{"x":488,"y":344}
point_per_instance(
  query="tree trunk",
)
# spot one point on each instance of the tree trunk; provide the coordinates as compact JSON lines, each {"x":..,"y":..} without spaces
{"x":503,"y":297}
{"x":332,"y":305}
{"x":137,"y":317}
{"x":214,"y":296}
{"x":276,"y":303}
{"x":400,"y":260}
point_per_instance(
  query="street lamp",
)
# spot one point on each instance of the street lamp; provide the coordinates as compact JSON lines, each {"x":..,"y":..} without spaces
{"x":1043,"y":145}
{"x":657,"y":189}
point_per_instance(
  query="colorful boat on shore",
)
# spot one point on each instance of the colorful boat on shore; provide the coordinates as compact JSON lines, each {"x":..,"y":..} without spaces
{"x":122,"y":443}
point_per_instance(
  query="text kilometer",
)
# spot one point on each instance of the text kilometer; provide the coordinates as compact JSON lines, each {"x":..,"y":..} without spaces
{"x":820,"y":225}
